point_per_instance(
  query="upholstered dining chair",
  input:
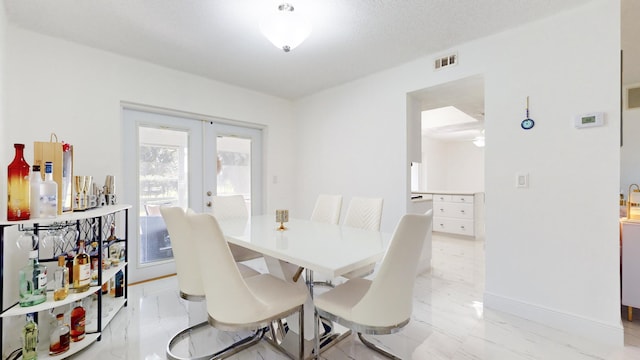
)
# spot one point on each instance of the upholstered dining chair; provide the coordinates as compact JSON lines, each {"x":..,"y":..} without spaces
{"x":188,"y":270}
{"x":327,"y":209}
{"x":363,"y":213}
{"x":233,"y":207}
{"x":382,"y":305}
{"x":235,"y":303}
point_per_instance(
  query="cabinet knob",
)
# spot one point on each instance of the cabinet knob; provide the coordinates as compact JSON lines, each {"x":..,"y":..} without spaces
{"x":462,"y":211}
{"x":208,"y":203}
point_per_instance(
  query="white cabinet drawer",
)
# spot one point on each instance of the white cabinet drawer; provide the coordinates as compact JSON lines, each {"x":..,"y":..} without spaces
{"x":454,"y":210}
{"x":454,"y":226}
{"x":441,"y":198}
{"x":467,"y":199}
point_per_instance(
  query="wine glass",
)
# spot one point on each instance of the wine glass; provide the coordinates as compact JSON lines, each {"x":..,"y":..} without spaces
{"x":87,"y":185}
{"x":54,"y":238}
{"x":27,"y":240}
{"x":79,"y":183}
{"x":71,"y":236}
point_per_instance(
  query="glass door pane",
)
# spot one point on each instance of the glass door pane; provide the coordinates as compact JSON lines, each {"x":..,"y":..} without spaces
{"x":234,"y":167}
{"x":239,"y":163}
{"x":164,"y":159}
{"x":163,"y":180}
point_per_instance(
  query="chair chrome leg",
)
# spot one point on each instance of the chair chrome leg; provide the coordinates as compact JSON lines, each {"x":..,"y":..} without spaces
{"x":327,"y":283}
{"x":177,"y":337}
{"x":377,"y":349}
{"x":240,"y":345}
{"x":226,"y":352}
{"x":301,"y":335}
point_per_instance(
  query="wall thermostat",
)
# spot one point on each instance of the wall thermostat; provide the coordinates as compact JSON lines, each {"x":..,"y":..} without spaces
{"x":589,"y":120}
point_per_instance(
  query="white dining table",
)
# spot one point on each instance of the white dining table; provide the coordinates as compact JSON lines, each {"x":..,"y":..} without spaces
{"x":332,"y":250}
{"x":329,"y":249}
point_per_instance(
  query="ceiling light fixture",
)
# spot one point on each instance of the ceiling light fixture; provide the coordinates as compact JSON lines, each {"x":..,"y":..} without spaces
{"x":285,"y":28}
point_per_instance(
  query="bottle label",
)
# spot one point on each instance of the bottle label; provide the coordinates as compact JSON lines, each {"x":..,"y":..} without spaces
{"x":84,"y":272}
{"x":77,"y":325}
{"x":42,"y":281}
{"x":31,"y":340}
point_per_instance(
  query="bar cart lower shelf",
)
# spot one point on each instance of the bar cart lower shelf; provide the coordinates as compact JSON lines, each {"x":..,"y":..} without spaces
{"x":94,"y":225}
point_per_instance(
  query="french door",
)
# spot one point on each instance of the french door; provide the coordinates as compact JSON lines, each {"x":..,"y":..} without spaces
{"x":175,"y":160}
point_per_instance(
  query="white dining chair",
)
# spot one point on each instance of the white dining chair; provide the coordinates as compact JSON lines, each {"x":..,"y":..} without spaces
{"x":327,"y":209}
{"x":188,"y":270}
{"x":382,"y":305}
{"x":235,"y":303}
{"x":229,"y":207}
{"x":363,"y":213}
{"x":233,"y":207}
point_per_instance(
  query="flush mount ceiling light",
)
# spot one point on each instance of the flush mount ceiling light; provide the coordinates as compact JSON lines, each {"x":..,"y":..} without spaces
{"x":285,"y":28}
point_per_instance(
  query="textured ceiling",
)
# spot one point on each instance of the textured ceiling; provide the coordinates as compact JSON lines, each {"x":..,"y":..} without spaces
{"x":220,"y":39}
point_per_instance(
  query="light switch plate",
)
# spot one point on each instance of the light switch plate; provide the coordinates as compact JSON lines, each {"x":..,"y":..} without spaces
{"x":522,"y":180}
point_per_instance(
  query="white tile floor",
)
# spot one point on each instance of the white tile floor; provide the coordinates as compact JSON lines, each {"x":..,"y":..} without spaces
{"x":449,"y":322}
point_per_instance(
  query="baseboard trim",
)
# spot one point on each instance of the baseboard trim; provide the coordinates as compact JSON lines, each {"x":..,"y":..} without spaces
{"x":612,"y":334}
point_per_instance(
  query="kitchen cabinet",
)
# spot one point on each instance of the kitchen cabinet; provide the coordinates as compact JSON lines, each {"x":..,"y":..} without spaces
{"x":94,"y":226}
{"x":458,"y":213}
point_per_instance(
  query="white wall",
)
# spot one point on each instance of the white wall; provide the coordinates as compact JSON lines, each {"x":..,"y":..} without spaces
{"x":553,"y":222}
{"x":452,"y":166}
{"x":552,"y":252}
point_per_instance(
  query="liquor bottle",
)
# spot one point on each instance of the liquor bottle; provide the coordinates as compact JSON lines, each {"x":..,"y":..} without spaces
{"x":33,"y":282}
{"x":48,"y":193}
{"x":18,"y":189}
{"x":77,"y":321}
{"x":81,"y":269}
{"x":61,"y":280}
{"x":29,"y":339}
{"x":119,"y":283}
{"x":34,"y":196}
{"x":60,"y":338}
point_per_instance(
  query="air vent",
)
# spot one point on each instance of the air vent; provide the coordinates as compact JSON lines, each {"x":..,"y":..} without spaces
{"x":446,"y":61}
{"x":633,"y":98}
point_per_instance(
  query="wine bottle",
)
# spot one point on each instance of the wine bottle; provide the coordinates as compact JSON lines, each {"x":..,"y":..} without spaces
{"x":33,"y":282}
{"x":60,"y":338}
{"x":30,"y":339}
{"x":34,"y":197}
{"x":48,"y":193}
{"x":78,"y":319}
{"x":61,"y":280}
{"x":81,"y":269}
{"x":18,"y":189}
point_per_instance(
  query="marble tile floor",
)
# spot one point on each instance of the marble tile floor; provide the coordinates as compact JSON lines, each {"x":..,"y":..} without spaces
{"x":449,"y":322}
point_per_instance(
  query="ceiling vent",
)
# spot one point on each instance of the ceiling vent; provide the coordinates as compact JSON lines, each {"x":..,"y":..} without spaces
{"x":446,"y":61}
{"x":633,"y":98}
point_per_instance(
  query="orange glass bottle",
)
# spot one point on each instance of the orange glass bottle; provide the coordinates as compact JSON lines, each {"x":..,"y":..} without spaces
{"x":18,"y":189}
{"x":78,"y":318}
